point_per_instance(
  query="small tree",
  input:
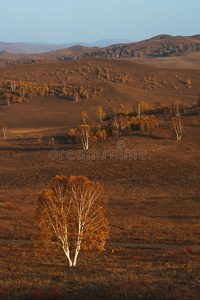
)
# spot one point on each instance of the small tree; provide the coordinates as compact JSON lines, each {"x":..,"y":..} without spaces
{"x":76,"y":97}
{"x":177,"y":124}
{"x":101,"y":135}
{"x":7,"y":97}
{"x":22,"y":92}
{"x":189,"y":83}
{"x":119,"y":122}
{"x":13,"y":85}
{"x":100,"y":114}
{"x":84,"y":117}
{"x":4,"y":128}
{"x":176,"y":105}
{"x":84,"y":132}
{"x":71,"y":215}
{"x":139,"y":107}
{"x":71,"y":135}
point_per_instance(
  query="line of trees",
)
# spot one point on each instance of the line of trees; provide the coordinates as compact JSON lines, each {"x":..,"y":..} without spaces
{"x":111,"y":125}
{"x":13,"y":91}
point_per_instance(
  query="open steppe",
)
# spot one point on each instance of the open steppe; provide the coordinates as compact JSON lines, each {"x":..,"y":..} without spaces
{"x":186,"y":61}
{"x":151,"y":200}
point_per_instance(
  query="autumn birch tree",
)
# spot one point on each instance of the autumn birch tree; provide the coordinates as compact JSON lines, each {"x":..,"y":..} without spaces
{"x":139,"y":107}
{"x":83,"y":132}
{"x":119,"y":122}
{"x":71,"y":215}
{"x":177,"y":124}
{"x":13,"y":85}
{"x":4,"y":128}
{"x":84,"y":117}
{"x":176,"y":105}
{"x":7,"y":97}
{"x":100,"y":114}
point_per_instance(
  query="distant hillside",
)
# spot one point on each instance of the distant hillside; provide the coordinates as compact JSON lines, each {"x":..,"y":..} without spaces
{"x":11,"y":55}
{"x":109,"y":42}
{"x":197,"y":36}
{"x":27,"y":48}
{"x":164,"y":48}
{"x":158,"y":46}
{"x":31,"y":48}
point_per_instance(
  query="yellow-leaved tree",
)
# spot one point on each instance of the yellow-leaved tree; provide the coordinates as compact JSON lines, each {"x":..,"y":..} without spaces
{"x":71,"y":215}
{"x":83,"y":132}
{"x":84,"y":118}
{"x":100,"y":114}
{"x":140,"y":107}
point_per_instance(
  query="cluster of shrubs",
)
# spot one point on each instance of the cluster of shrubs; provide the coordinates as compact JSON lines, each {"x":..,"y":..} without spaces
{"x":75,"y":92}
{"x":104,"y":74}
{"x":150,"y":83}
{"x":28,"y":61}
{"x":113,"y":125}
{"x":22,"y":91}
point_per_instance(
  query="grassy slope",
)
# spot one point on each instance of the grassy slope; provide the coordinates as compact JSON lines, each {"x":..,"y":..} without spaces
{"x":170,"y":82}
{"x":186,"y":61}
{"x":155,"y":200}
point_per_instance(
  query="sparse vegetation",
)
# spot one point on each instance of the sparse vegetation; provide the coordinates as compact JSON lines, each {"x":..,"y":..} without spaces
{"x":151,"y":181}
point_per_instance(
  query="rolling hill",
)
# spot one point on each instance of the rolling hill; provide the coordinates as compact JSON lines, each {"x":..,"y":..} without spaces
{"x":162,"y":50}
{"x":121,"y":82}
{"x":31,"y":48}
{"x":153,"y":194}
{"x":159,"y":46}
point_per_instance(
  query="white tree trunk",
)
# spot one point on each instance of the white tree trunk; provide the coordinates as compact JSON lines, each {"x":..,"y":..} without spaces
{"x":178,"y":128}
{"x":85,"y":139}
{"x":138,"y":109}
{"x":78,"y":248}
{"x":67,"y":253}
{"x":4,"y":133}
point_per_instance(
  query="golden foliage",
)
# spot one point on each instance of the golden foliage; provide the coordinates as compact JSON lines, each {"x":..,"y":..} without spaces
{"x":71,"y":214}
{"x":100,"y":114}
{"x":84,"y":117}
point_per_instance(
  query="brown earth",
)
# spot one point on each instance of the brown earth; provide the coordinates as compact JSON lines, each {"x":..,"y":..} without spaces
{"x":165,"y":183}
{"x":153,"y":199}
{"x":115,"y":274}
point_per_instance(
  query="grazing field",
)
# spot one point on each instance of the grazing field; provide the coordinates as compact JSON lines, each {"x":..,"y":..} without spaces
{"x":153,"y":196}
